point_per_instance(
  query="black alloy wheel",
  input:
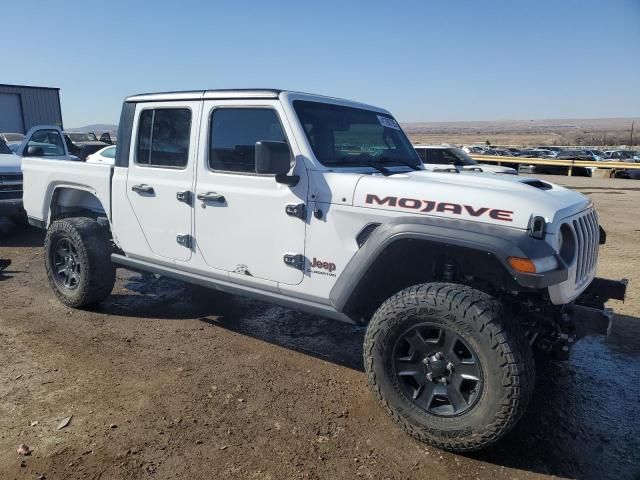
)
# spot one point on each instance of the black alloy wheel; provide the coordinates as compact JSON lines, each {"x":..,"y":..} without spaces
{"x":67,"y":265}
{"x":437,"y":370}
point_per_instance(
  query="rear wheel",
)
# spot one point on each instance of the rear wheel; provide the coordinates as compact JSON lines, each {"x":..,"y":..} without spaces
{"x":448,"y":366}
{"x":78,"y":261}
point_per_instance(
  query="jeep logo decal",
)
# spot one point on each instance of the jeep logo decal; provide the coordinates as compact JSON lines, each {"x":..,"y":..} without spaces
{"x":328,"y":266}
{"x":426,"y":206}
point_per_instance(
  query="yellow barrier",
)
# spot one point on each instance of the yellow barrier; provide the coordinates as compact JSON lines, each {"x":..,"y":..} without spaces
{"x":559,"y":163}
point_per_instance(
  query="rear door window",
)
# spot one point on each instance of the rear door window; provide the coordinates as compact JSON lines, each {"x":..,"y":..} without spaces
{"x":163,"y":137}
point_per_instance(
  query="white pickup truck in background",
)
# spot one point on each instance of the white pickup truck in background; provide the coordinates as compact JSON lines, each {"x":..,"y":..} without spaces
{"x":46,"y":141}
{"x":42,"y":141}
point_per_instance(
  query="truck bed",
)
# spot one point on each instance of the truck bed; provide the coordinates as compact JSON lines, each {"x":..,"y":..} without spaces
{"x":43,"y":178}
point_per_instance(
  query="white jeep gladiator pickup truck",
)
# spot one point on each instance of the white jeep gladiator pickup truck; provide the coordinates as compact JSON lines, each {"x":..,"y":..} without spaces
{"x":323,"y":205}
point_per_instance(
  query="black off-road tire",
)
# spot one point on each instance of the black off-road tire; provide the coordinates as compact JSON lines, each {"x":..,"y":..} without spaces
{"x":505,"y":357}
{"x":93,"y":251}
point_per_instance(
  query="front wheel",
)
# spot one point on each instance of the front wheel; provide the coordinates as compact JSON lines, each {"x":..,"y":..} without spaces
{"x":448,"y":366}
{"x":78,"y":261}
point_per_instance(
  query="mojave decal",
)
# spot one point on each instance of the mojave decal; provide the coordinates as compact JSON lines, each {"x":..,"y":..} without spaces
{"x":426,"y":206}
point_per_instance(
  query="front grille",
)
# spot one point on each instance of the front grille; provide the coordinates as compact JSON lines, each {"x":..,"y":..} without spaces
{"x":10,"y":186}
{"x":588,"y":238}
{"x":10,"y":177}
{"x":10,"y":195}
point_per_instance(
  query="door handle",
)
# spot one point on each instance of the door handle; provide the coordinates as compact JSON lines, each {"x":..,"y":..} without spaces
{"x":142,"y":188}
{"x":211,"y":197}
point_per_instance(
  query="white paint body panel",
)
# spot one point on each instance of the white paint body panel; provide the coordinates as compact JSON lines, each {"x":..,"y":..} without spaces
{"x":43,"y":177}
{"x":249,"y":233}
{"x":160,"y":216}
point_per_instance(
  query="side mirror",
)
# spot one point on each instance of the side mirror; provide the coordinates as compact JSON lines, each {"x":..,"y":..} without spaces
{"x":106,"y":138}
{"x":273,"y":157}
{"x":34,"y":152}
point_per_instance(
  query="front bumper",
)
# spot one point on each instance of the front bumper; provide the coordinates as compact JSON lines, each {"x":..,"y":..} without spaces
{"x":590,"y":316}
{"x":586,"y":316}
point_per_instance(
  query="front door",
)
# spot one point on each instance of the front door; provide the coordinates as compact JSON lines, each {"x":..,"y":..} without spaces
{"x":242,"y":225}
{"x":45,"y":143}
{"x":160,"y":176}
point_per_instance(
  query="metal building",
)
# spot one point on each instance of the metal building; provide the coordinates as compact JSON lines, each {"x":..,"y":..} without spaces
{"x":22,"y":107}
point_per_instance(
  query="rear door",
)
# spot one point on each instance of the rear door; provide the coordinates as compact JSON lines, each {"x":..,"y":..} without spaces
{"x":242,"y":224}
{"x":160,"y":175}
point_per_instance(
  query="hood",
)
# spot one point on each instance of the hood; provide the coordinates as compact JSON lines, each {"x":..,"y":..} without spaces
{"x":10,"y":163}
{"x":508,"y":200}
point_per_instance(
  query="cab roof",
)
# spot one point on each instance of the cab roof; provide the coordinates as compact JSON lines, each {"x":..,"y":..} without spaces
{"x":205,"y":94}
{"x":242,"y":93}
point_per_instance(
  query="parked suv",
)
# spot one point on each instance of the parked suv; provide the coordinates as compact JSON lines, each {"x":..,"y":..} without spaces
{"x":323,"y":205}
{"x":83,"y":144}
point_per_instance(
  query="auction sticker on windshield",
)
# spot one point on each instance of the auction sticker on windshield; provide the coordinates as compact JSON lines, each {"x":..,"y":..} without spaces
{"x":388,"y":122}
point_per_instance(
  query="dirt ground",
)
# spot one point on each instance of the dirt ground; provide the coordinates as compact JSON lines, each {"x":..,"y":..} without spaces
{"x":167,"y":381}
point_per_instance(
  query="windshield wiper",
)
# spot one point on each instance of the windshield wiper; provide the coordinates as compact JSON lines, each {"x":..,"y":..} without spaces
{"x":388,"y":160}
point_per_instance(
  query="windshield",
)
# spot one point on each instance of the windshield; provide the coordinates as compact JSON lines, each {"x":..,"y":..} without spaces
{"x":4,"y":149}
{"x":82,"y":137}
{"x":344,"y":136}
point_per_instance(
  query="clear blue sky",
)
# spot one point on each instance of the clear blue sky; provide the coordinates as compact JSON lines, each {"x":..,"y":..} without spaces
{"x":429,"y":60}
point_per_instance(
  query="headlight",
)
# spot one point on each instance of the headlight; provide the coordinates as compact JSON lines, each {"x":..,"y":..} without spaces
{"x":566,"y":243}
{"x":560,"y":241}
{"x":545,"y":264}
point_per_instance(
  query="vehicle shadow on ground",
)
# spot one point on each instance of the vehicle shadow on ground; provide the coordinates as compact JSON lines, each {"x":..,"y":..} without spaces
{"x":22,"y":236}
{"x":9,"y":274}
{"x":163,"y":298}
{"x":583,"y":420}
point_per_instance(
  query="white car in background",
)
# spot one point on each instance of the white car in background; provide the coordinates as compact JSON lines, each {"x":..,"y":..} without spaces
{"x":442,"y":158}
{"x":106,"y":155}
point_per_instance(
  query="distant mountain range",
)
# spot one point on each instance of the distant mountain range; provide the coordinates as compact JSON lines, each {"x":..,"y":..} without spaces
{"x":96,"y":128}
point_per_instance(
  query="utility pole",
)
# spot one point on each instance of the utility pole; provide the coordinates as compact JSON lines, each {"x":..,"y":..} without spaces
{"x":631,"y":140}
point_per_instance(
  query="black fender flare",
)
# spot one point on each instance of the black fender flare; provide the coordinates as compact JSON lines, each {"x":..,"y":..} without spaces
{"x":498,"y":241}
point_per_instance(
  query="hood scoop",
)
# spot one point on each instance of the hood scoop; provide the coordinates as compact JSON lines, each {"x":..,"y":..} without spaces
{"x":539,"y":184}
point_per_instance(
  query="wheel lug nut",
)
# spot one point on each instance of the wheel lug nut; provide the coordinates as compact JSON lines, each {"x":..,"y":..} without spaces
{"x":438,"y":355}
{"x":429,"y":376}
{"x":450,"y":366}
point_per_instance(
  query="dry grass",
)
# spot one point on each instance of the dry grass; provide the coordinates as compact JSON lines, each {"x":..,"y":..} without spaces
{"x":607,"y":131}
